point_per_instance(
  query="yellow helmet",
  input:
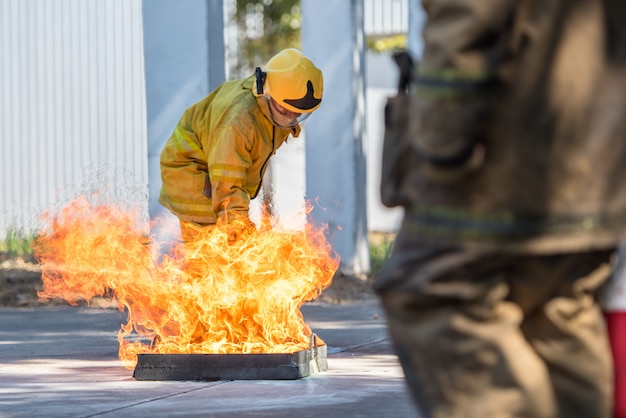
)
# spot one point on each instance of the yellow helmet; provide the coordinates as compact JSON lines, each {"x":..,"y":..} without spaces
{"x":293,"y":81}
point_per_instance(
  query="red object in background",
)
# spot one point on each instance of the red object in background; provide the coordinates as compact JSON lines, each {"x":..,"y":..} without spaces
{"x":614,"y":306}
{"x":616,"y":326}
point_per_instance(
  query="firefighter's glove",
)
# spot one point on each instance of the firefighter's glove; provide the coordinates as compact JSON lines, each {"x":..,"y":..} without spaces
{"x":239,"y":229}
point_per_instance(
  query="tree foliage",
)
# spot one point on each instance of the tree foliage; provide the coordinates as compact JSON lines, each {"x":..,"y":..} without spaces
{"x":387,"y":43}
{"x":264,"y":27}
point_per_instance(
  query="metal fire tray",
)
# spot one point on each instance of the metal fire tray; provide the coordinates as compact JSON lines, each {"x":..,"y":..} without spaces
{"x":212,"y":367}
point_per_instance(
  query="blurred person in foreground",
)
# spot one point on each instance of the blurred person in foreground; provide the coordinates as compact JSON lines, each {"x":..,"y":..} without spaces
{"x":214,"y":162}
{"x":506,"y":148}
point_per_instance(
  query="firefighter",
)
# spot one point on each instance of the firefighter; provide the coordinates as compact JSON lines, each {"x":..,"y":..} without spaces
{"x":505,"y":146}
{"x":214,"y":162}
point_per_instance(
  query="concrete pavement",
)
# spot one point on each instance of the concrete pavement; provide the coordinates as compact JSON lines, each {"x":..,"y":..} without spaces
{"x":62,"y":362}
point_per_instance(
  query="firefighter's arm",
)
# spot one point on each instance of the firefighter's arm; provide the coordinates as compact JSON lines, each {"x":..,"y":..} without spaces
{"x":228,"y":163}
{"x":465,"y":41}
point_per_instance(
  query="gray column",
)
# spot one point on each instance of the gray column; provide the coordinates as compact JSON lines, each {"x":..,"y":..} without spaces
{"x":184,"y":60}
{"x":216,"y":64}
{"x":333,"y":37}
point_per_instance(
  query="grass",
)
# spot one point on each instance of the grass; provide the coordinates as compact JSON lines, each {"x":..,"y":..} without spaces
{"x":17,"y":244}
{"x":381,"y":245}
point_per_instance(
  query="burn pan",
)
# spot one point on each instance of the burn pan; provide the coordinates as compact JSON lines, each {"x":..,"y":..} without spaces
{"x":213,"y":367}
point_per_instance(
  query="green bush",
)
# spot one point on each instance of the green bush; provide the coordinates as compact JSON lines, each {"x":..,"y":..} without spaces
{"x":380,"y":250}
{"x":386,"y":44}
{"x":17,"y":243}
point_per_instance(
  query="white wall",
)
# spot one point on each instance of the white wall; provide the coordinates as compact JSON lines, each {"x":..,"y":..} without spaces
{"x":72,"y":100}
{"x":335,"y":146}
{"x":184,"y":55}
{"x":382,"y":76}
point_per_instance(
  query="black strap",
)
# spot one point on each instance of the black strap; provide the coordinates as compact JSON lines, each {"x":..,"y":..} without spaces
{"x":404,"y":61}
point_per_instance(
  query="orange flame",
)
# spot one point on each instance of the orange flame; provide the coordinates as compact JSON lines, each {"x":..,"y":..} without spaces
{"x":203,"y":297}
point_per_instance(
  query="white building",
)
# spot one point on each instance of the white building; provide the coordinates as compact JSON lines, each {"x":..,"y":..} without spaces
{"x":72,"y":96}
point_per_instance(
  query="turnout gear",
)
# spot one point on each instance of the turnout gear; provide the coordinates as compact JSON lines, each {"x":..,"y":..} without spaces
{"x":214,"y":162}
{"x":502,"y":335}
{"x":505,"y":147}
{"x":511,"y":136}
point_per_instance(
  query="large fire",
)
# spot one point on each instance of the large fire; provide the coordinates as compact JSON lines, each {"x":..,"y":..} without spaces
{"x":210,"y":296}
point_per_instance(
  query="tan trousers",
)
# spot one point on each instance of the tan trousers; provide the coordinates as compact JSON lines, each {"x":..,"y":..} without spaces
{"x":191,"y":231}
{"x":483,"y":336}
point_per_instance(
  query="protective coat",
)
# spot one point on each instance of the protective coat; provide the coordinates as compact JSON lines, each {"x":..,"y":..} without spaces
{"x":513,"y":134}
{"x":214,"y":162}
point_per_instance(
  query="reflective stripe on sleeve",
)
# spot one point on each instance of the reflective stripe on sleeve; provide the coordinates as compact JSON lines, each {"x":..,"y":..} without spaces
{"x":451,"y":83}
{"x":228,"y":173}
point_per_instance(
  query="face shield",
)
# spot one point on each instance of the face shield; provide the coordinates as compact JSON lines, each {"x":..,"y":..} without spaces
{"x":285,"y":118}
